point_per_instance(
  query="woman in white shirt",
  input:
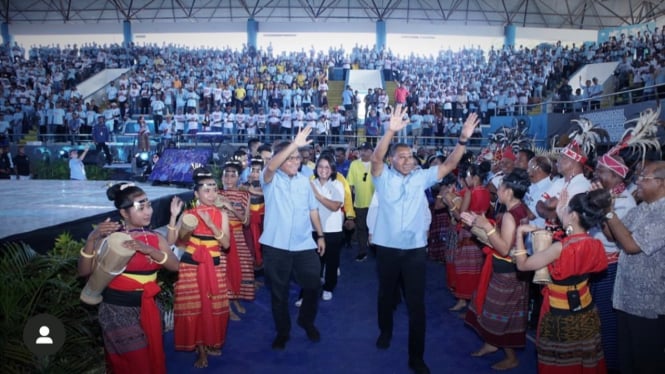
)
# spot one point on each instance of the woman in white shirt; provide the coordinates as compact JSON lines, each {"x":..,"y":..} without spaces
{"x":329,"y":194}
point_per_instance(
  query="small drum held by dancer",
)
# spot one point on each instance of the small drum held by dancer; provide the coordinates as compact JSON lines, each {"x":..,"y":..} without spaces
{"x":453,"y":200}
{"x":112,"y":259}
{"x":542,"y":239}
{"x":189,"y":223}
{"x":481,"y":235}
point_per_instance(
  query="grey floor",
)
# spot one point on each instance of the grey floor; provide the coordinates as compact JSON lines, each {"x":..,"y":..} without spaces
{"x":28,"y":205}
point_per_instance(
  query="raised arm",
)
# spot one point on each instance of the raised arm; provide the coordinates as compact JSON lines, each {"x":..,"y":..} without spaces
{"x":278,"y":159}
{"x":451,"y":162}
{"x":397,"y":123}
{"x":172,"y":226}
{"x":85,"y":152}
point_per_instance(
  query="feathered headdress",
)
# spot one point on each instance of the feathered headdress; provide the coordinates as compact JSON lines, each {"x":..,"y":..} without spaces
{"x":234,"y":163}
{"x":196,"y":165}
{"x":256,"y":160}
{"x":583,"y":140}
{"x":506,"y":142}
{"x":514,"y":137}
{"x":200,"y":171}
{"x":545,"y":152}
{"x":641,"y":138}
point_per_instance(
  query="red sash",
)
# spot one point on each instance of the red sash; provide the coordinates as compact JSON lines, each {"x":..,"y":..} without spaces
{"x":485,"y":277}
{"x":150,"y":319}
{"x":206,"y":279}
{"x":486,"y":273}
{"x":256,"y":227}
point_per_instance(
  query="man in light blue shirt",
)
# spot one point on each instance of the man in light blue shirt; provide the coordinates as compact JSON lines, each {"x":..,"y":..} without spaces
{"x":76,"y":167}
{"x":288,"y":248}
{"x":539,"y":169}
{"x":347,"y":98}
{"x":400,"y":234}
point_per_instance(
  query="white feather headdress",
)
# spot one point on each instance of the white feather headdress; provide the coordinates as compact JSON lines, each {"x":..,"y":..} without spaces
{"x":643,"y":136}
{"x":588,"y":135}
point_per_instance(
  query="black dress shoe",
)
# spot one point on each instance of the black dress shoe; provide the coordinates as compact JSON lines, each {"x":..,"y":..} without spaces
{"x":419,"y":366}
{"x":383,"y":342}
{"x":280,"y":342}
{"x":313,"y":333}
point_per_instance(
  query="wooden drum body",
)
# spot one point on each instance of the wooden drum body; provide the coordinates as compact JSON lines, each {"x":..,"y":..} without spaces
{"x":481,"y":235}
{"x":541,"y":240}
{"x":112,"y":259}
{"x":455,"y":200}
{"x":189,"y":222}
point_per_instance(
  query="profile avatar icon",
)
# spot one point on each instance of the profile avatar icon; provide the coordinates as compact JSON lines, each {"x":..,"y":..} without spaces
{"x":44,"y":331}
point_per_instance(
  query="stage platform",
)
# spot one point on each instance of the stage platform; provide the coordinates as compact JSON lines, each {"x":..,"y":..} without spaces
{"x":37,"y":211}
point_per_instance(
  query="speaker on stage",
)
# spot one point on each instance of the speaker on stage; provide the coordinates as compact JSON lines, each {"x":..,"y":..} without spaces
{"x":175,"y":165}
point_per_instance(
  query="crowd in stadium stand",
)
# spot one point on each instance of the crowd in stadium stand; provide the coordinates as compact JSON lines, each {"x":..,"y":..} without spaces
{"x":244,"y":92}
{"x":603,"y":250}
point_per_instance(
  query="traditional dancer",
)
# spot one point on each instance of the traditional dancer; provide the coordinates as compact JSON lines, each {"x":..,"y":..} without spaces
{"x":468,"y":257}
{"x":129,"y":317}
{"x":201,"y":305}
{"x":235,"y":203}
{"x":498,"y":311}
{"x":256,"y":209}
{"x":568,"y":339}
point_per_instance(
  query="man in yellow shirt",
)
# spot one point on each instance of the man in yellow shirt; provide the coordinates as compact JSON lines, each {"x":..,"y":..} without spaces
{"x":360,"y":180}
{"x":177,"y":83}
{"x":239,"y":97}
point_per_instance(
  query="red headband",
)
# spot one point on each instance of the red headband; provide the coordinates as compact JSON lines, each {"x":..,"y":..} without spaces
{"x":508,"y":153}
{"x":574,"y":152}
{"x":613,"y":164}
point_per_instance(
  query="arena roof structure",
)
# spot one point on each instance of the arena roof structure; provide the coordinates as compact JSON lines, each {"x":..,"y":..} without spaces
{"x":569,"y":14}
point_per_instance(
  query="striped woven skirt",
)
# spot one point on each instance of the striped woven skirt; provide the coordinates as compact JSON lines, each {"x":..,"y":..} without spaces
{"x":449,"y":255}
{"x":246,"y":264}
{"x":570,"y":343}
{"x":189,"y":329}
{"x":468,"y":262}
{"x":438,"y":235}
{"x":503,"y":320}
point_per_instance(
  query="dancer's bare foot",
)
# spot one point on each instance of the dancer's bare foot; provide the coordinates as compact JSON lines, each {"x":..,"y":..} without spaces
{"x":210,"y":351}
{"x":202,"y":359}
{"x":506,"y":364}
{"x":233,"y":316}
{"x":461,"y":304}
{"x":485,"y":350}
{"x":239,"y":307}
